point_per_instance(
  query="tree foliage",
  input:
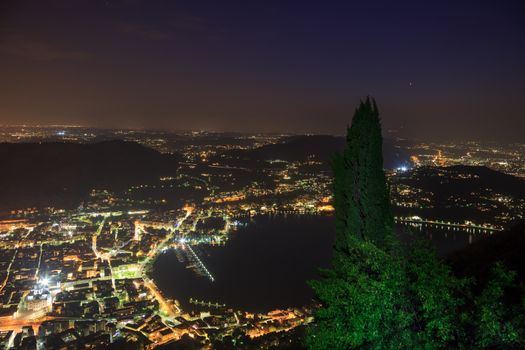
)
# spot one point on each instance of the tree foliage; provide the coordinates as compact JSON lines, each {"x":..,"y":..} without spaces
{"x":361,"y":195}
{"x":497,"y":324}
{"x":362,"y":304}
{"x":381,"y":294}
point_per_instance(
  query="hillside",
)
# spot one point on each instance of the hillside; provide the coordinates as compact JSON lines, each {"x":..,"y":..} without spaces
{"x":459,"y":193}
{"x":319,"y":147}
{"x":461,"y":180}
{"x":50,"y":174}
{"x":506,"y":247}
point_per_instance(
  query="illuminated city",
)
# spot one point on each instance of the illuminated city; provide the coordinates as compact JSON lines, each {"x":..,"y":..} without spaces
{"x":88,"y":266}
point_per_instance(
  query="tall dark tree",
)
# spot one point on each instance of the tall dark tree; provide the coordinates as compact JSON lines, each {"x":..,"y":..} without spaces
{"x":361,"y":197}
{"x":366,"y":298}
{"x":362,"y":296}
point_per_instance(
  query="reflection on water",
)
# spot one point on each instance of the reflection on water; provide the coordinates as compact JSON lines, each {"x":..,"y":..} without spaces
{"x":445,"y":239}
{"x":266,"y":264}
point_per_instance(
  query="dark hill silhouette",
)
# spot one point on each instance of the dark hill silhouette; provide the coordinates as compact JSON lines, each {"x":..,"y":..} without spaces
{"x":462,"y":192}
{"x":477,"y":259}
{"x":481,"y":179}
{"x":61,"y":174}
{"x":319,"y":147}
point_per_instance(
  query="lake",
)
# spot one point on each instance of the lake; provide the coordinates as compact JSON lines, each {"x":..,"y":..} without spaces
{"x":265,"y":265}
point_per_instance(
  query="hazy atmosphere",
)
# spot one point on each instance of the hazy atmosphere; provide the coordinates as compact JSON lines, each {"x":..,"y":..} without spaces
{"x":441,"y":69}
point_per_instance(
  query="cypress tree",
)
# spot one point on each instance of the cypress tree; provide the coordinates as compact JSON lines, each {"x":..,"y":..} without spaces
{"x":363,"y":294}
{"x":361,"y":197}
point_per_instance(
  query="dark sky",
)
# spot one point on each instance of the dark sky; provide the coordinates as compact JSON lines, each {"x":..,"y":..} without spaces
{"x":438,"y":69}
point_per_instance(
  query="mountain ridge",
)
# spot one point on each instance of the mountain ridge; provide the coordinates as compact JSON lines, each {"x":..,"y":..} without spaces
{"x":63,"y":173}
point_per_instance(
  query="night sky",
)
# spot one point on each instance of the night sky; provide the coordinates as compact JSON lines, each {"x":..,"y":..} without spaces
{"x":438,"y":69}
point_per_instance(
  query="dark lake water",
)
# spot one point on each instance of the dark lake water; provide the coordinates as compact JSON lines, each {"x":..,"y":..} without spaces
{"x":266,"y":264}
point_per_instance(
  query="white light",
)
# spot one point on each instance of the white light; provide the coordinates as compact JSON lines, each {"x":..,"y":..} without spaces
{"x":44,"y":281}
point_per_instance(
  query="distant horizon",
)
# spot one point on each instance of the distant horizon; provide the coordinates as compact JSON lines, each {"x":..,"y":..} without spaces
{"x":387,"y":134}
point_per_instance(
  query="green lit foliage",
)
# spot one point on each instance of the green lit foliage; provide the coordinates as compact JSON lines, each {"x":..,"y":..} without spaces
{"x":382,"y":294}
{"x":363,"y":304}
{"x":376,"y":300}
{"x":499,"y":325}
{"x":436,"y":298}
